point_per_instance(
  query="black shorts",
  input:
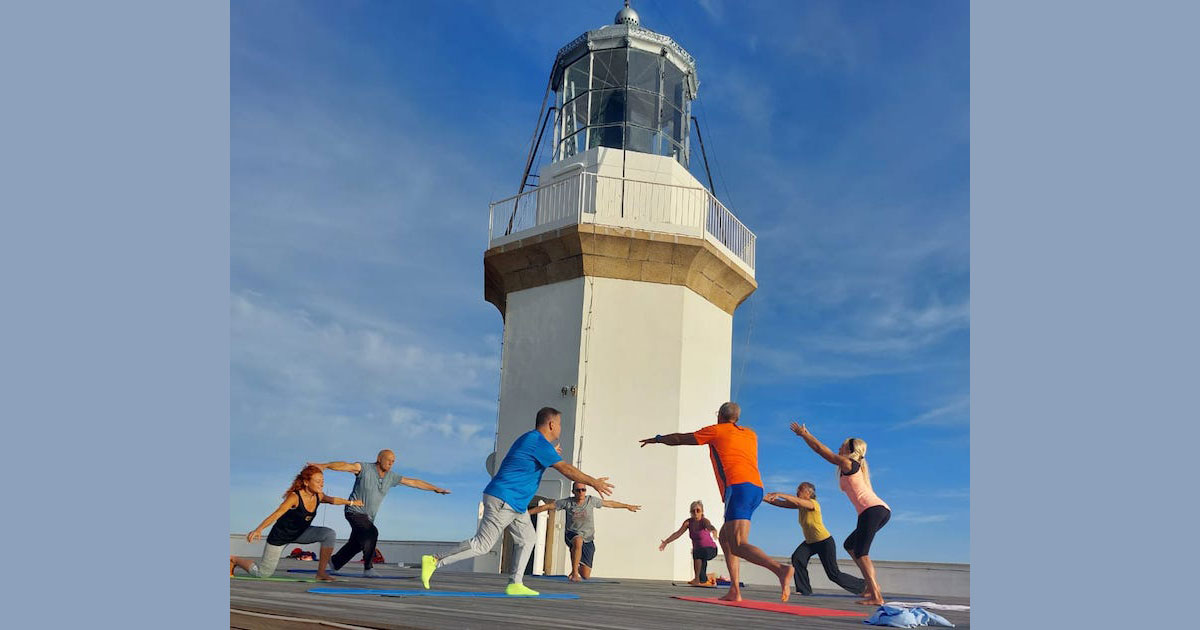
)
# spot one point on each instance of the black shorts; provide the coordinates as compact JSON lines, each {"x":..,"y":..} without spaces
{"x":704,"y":553}
{"x":872,"y":519}
{"x":586,"y":554}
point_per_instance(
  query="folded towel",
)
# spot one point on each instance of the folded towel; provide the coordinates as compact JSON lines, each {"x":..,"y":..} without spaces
{"x":899,"y":617}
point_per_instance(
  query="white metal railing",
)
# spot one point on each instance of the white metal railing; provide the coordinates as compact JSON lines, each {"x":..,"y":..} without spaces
{"x":592,"y":198}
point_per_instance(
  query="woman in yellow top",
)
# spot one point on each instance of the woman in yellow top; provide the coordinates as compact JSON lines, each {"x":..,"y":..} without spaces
{"x":817,"y":540}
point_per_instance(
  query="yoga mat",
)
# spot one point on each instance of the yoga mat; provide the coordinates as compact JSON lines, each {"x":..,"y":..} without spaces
{"x":563,"y":578}
{"x":358,"y":575}
{"x":269,"y":579}
{"x":790,"y":609}
{"x":424,"y":593}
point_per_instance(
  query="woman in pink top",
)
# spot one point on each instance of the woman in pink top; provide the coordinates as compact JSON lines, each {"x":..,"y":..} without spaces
{"x":854,"y":478}
{"x":704,"y":548}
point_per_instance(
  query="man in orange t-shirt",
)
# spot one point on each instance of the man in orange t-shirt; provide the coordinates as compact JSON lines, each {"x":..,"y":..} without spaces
{"x":734,"y":453}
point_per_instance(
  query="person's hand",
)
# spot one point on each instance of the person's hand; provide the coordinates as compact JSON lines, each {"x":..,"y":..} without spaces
{"x":633,"y":508}
{"x":653,"y":440}
{"x":254,"y":535}
{"x":355,"y":502}
{"x":602,"y":486}
{"x":441,"y":491}
{"x":799,"y":429}
{"x":558,"y":449}
{"x":662,"y":545}
{"x":771,"y":496}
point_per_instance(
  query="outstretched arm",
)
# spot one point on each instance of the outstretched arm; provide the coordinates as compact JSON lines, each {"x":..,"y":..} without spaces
{"x":325,"y":498}
{"x":574,"y":474}
{"x":778,"y":499}
{"x":672,"y":439}
{"x":666,"y":541}
{"x":545,"y":507}
{"x":422,"y":485}
{"x":841,"y":461}
{"x":354,"y":467}
{"x":617,"y":504}
{"x":288,"y":503}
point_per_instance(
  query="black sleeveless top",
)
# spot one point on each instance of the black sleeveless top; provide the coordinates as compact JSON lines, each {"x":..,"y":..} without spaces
{"x":292,"y":523}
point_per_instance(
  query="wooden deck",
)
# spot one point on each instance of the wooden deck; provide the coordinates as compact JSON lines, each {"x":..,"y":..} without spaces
{"x":630,"y":605}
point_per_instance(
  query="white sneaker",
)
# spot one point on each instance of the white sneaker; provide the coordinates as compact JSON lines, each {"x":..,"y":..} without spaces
{"x":369,"y":573}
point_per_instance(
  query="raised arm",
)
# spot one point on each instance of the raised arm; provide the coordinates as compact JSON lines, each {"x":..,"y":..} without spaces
{"x":841,"y":461}
{"x":288,"y":503}
{"x":617,"y":504}
{"x":574,"y":474}
{"x":672,"y":439}
{"x":778,"y":499}
{"x":422,"y":485}
{"x":325,"y":498}
{"x":679,"y":532}
{"x":350,"y":467}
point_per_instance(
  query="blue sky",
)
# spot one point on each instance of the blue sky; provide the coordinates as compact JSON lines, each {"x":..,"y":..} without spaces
{"x":368,"y":138}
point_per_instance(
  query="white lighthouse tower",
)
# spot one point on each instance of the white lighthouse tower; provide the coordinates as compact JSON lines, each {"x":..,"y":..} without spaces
{"x":617,"y":277}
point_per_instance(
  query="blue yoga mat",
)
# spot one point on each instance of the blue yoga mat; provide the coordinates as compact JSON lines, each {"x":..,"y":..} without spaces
{"x":423,"y":593}
{"x":358,"y":575}
{"x":563,"y":578}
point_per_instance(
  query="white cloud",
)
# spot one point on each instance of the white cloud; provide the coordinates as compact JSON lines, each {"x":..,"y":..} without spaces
{"x":919,"y":518}
{"x":954,"y":413}
{"x":309,"y":386}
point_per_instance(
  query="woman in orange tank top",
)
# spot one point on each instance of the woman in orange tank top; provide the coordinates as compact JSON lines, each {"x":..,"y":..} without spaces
{"x":854,"y":478}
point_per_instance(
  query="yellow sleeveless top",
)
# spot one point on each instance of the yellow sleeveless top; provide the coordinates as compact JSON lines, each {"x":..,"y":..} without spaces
{"x":810,"y":522}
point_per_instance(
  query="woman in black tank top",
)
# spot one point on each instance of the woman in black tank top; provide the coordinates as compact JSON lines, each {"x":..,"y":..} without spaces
{"x":293,"y":523}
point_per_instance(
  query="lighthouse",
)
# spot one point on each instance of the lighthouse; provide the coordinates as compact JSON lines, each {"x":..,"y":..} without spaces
{"x":617,"y":276}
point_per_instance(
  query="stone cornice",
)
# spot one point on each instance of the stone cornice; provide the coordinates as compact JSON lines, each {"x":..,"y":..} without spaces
{"x":621,"y":253}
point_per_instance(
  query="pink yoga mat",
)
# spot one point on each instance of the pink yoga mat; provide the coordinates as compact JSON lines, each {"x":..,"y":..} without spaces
{"x":790,"y":609}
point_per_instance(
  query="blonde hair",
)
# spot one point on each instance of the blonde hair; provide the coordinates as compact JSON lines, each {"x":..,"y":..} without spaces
{"x":857,"y":451}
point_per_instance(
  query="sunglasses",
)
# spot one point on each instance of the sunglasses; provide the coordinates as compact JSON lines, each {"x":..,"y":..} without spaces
{"x":579,"y":490}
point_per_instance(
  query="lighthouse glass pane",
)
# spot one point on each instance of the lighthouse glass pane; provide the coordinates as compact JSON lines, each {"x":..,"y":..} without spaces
{"x":644,"y":69}
{"x":608,"y":107}
{"x":672,"y":122}
{"x":575,"y":81}
{"x":642,"y":108}
{"x":605,"y":137}
{"x":673,"y":85}
{"x":639,"y":139}
{"x":608,"y":68}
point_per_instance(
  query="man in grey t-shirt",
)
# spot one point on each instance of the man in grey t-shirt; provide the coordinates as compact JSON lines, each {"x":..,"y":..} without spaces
{"x":372,"y":480}
{"x":581,"y":526}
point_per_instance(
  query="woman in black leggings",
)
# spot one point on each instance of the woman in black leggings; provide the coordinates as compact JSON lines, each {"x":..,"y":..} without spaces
{"x":817,"y":540}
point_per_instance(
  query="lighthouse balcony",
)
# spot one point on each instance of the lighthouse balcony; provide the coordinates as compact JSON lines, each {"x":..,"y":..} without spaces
{"x":621,"y":202}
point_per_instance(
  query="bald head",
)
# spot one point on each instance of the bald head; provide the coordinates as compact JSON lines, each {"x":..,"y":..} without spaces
{"x":385,"y":459}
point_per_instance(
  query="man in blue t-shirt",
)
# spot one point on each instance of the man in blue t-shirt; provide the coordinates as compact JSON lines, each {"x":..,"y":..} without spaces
{"x":506,"y":499}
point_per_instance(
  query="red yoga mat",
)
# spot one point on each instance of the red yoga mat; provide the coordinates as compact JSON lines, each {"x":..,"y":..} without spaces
{"x":790,"y":609}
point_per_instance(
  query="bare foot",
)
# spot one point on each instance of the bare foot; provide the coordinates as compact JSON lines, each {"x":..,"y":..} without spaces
{"x":574,"y":577}
{"x":785,"y":583}
{"x":871,"y":601}
{"x":694,"y":582}
{"x":734,"y":595}
{"x":325,"y":577}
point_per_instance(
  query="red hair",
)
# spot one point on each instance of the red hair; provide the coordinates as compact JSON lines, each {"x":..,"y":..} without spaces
{"x":302,"y":479}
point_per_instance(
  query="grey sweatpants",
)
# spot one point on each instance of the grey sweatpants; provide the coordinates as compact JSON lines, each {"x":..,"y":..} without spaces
{"x":496,"y":517}
{"x":265,"y":566}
